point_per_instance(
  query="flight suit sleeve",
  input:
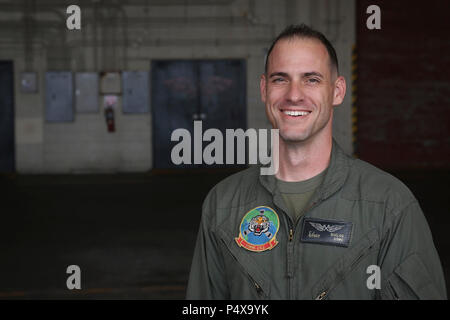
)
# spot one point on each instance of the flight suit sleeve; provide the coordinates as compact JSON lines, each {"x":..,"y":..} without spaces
{"x":207,"y":276}
{"x":410,"y":264}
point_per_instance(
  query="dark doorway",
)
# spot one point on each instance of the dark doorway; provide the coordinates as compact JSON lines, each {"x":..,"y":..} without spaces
{"x":6,"y":117}
{"x":183,"y":91}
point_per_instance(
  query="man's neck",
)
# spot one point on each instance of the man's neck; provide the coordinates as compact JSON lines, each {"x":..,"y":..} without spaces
{"x":303,"y":160}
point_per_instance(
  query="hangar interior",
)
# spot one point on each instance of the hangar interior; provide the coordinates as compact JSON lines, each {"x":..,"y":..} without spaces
{"x":86,"y":117}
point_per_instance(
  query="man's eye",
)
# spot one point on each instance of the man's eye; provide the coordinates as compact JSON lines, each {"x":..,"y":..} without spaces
{"x":278,"y":80}
{"x":313,"y":80}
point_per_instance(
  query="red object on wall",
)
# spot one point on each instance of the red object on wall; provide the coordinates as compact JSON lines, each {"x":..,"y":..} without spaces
{"x":403,"y":85}
{"x":109,"y":116}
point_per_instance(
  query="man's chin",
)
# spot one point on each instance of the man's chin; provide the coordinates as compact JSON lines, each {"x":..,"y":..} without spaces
{"x":293,"y":138}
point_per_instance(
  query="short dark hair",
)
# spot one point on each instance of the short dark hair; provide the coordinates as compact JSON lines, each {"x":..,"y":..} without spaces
{"x":304,"y":31}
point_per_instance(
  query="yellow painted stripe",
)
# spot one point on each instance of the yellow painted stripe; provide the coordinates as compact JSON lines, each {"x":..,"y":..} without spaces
{"x":354,"y":77}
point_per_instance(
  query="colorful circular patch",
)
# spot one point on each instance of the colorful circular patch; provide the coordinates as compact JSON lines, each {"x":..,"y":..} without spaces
{"x":258,"y":229}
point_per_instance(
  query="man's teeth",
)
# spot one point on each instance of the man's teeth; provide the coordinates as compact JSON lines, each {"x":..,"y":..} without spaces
{"x":296,"y":113}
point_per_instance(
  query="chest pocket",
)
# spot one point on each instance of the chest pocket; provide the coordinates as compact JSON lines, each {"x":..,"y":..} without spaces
{"x":258,"y":282}
{"x":344,"y":265}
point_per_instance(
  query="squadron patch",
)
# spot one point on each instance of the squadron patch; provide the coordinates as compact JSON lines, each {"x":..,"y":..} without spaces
{"x":258,"y":229}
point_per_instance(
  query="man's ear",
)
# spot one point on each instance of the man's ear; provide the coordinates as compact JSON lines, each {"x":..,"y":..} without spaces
{"x":340,"y":88}
{"x":262,"y":87}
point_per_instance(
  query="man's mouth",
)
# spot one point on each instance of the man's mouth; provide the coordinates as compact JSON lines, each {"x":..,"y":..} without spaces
{"x":296,"y":113}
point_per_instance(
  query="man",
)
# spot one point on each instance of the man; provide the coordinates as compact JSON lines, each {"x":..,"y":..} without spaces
{"x":325,"y":226}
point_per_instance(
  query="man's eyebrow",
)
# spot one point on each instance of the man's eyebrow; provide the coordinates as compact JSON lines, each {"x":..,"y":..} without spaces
{"x":279,"y":74}
{"x":313,"y":73}
{"x":306,"y":74}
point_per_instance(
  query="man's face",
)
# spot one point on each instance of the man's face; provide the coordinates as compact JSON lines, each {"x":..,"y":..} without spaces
{"x":300,"y":89}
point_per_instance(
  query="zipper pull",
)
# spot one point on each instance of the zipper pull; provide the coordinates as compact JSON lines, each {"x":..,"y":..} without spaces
{"x":291,"y":235}
{"x":394,"y":293}
{"x":258,"y":288}
{"x":321,"y":296}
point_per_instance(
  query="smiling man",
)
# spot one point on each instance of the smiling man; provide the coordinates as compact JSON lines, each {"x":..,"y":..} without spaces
{"x":325,"y":226}
{"x":300,"y":88}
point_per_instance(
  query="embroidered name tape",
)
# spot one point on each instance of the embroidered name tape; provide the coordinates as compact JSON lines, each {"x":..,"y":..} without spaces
{"x":328,"y":232}
{"x":258,"y":229}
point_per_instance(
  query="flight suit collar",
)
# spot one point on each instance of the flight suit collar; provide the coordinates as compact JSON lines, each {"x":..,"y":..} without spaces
{"x":334,"y":179}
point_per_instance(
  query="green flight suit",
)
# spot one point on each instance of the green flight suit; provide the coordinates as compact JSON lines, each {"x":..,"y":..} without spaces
{"x":384,"y":227}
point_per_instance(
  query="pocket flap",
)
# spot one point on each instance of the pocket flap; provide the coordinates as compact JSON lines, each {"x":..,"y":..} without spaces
{"x":415,"y":275}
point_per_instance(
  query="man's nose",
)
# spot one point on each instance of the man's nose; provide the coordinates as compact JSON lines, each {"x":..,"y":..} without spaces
{"x":295,"y":93}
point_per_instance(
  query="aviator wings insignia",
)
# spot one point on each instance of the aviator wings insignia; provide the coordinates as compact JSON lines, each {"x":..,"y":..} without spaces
{"x":323,"y":227}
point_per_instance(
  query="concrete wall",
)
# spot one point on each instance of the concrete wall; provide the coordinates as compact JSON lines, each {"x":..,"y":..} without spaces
{"x":128,"y":37}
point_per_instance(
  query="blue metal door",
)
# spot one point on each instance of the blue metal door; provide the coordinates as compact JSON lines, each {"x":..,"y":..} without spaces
{"x":212,"y":91}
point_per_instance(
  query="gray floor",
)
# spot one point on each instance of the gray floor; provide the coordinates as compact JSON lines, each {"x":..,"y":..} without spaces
{"x":131,"y":234}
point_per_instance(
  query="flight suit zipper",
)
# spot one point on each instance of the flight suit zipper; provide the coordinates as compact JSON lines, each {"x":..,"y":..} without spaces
{"x":301,"y":219}
{"x":290,"y":257}
{"x":291,"y":226}
{"x":258,"y":288}
{"x":323,"y":294}
{"x":290,"y":251}
{"x":394,"y":293}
